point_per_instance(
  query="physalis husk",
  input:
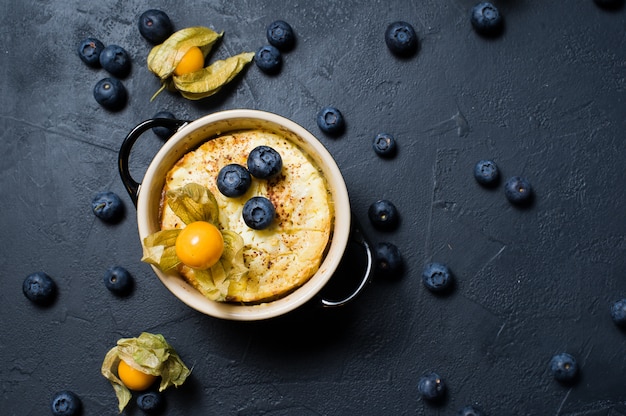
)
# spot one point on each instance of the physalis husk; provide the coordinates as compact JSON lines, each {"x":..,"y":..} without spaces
{"x":148,"y":353}
{"x":164,"y":58}
{"x":194,"y":202}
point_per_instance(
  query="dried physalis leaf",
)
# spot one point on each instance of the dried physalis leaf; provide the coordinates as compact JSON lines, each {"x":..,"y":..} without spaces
{"x":164,"y":58}
{"x":195,"y":81}
{"x":209,"y":80}
{"x":193,"y":202}
{"x":159,"y":249}
{"x":149,"y":353}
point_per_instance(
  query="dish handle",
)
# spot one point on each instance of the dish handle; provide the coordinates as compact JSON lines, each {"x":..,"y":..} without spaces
{"x":131,"y":185}
{"x":356,"y":236}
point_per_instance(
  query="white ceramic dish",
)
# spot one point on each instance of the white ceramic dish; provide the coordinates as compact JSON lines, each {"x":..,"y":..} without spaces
{"x":146,"y":195}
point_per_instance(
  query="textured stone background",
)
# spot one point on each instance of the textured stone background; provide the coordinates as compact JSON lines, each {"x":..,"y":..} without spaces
{"x":546,"y":100}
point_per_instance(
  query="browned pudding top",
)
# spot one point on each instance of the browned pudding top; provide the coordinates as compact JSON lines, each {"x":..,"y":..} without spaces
{"x":281,"y":257}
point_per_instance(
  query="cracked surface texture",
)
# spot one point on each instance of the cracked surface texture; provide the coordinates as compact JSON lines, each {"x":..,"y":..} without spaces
{"x":545,"y":100}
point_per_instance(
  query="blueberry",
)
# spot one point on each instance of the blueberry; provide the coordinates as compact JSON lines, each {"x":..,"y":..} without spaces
{"x":269,"y":59}
{"x":118,"y":280}
{"x":115,"y":60}
{"x":233,"y":180}
{"x":518,"y":190}
{"x":110,"y":93}
{"x":264,"y":162}
{"x":151,"y":402}
{"x":486,"y":173}
{"x":431,"y":387}
{"x":610,"y":4}
{"x":66,"y":403}
{"x":385,"y":145}
{"x":330,"y":121}
{"x":486,"y":19}
{"x":401,"y":39}
{"x":258,"y":213}
{"x":155,"y":26}
{"x":388,"y":259}
{"x":89,"y":51}
{"x":437,"y":277}
{"x":618,"y":312}
{"x":563,"y":367}
{"x":107,"y":206}
{"x":39,"y":288}
{"x":162,"y":131}
{"x":280,"y":34}
{"x":470,"y":411}
{"x":383,"y":215}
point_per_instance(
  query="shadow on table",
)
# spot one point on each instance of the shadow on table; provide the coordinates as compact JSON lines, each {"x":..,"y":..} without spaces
{"x":312,"y":327}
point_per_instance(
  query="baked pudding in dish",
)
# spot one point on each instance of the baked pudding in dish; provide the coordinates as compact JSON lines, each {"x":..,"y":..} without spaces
{"x":150,"y":201}
{"x":277,"y":259}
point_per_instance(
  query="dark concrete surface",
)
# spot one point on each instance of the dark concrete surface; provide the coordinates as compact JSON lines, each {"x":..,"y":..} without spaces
{"x":546,"y":100}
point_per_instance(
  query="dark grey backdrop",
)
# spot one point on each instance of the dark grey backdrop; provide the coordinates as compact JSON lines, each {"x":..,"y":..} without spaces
{"x":545,"y":100}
